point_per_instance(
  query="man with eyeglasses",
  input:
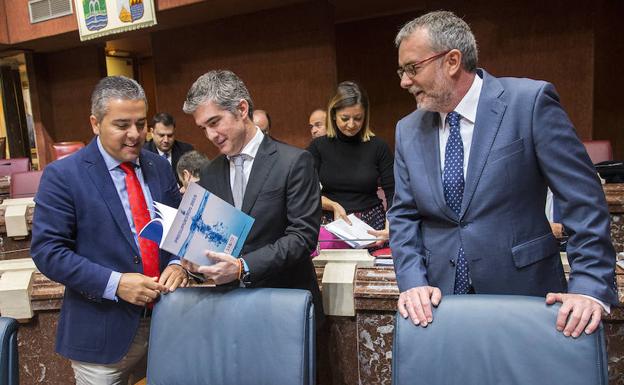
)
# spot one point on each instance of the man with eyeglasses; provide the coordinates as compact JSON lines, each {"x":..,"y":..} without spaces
{"x":472,"y":167}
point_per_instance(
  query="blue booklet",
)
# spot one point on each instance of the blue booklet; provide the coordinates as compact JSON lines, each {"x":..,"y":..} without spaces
{"x":203,"y":222}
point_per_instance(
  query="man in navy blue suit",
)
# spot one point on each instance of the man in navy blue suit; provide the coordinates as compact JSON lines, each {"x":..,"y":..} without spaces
{"x":88,"y":208}
{"x":472,"y":167}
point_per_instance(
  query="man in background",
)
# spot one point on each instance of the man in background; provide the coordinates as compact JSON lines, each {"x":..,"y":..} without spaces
{"x":163,"y":140}
{"x":318,"y":123}
{"x":189,"y":167}
{"x":262,"y":119}
{"x":89,"y":209}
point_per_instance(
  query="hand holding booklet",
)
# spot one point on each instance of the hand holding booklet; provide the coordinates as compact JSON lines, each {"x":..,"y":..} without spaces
{"x":203,"y":222}
{"x":355,"y":235}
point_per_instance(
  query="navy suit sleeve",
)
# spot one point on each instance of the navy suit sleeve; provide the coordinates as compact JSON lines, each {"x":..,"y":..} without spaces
{"x":405,"y":227}
{"x":54,"y":238}
{"x":572,"y":178}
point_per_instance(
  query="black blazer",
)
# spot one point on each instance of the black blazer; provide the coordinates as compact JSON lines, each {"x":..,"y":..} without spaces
{"x":177,"y":150}
{"x":283,"y":196}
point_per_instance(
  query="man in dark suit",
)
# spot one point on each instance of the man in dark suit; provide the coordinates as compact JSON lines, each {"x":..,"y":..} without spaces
{"x":89,"y":208}
{"x":164,"y":142}
{"x":271,"y":181}
{"x":472,"y":166}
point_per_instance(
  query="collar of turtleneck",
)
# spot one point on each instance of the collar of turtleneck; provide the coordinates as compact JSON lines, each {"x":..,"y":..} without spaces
{"x":348,"y":139}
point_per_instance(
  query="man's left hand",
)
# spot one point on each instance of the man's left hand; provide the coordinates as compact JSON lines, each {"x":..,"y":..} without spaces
{"x":173,"y":276}
{"x":577,"y":313}
{"x":225,"y":269}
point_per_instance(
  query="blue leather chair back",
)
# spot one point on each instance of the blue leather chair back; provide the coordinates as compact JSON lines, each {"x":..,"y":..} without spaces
{"x":9,"y":366}
{"x":494,"y":340}
{"x":232,"y":337}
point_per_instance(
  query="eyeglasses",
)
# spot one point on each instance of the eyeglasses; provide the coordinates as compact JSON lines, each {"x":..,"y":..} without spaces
{"x":412,"y":69}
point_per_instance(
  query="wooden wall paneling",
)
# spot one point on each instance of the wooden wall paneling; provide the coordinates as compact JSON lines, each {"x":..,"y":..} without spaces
{"x":609,"y":83}
{"x":42,"y":111}
{"x":148,"y":81}
{"x":551,"y":41}
{"x":365,"y":53}
{"x":285,"y":56}
{"x":69,"y":77}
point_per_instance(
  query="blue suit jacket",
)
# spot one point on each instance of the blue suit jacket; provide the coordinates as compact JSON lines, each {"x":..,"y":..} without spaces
{"x":523,"y":142}
{"x":80,"y":235}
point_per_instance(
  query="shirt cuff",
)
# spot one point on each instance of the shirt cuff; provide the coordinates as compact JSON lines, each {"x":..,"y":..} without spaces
{"x":606,"y":307}
{"x":111,"y":286}
{"x":174,"y":262}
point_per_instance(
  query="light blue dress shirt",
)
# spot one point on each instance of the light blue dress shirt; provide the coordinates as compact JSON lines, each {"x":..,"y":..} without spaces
{"x":119,"y":179}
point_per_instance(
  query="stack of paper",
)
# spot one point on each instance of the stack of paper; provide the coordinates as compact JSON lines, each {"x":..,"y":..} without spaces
{"x":355,"y":235}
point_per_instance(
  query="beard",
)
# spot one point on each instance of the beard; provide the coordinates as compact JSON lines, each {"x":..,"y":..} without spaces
{"x":438,"y":98}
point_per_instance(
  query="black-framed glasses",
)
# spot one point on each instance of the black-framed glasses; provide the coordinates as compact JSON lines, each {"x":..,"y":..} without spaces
{"x":411,"y":69}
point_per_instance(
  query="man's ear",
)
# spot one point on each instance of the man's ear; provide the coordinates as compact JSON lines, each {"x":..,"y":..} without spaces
{"x":454,"y":61}
{"x":243,"y":107}
{"x":95,"y":126}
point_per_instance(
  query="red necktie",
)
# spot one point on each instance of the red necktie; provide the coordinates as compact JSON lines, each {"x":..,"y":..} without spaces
{"x":140,"y":216}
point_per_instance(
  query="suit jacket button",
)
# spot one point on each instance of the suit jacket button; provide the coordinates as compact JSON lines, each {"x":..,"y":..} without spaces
{"x":452,"y":261}
{"x":136,"y":259}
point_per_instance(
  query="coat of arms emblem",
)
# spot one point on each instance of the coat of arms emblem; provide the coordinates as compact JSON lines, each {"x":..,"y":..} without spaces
{"x":130,"y":10}
{"x":95,"y":14}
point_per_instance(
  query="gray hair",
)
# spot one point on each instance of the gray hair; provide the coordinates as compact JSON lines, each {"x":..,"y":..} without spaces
{"x":192,"y":162}
{"x":446,"y":32}
{"x":221,"y":87}
{"x":114,"y":87}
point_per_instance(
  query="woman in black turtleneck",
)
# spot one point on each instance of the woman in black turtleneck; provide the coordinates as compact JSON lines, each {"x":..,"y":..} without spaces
{"x":352,"y":162}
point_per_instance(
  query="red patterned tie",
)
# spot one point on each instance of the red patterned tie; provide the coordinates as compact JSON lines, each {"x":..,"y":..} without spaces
{"x":140,"y":215}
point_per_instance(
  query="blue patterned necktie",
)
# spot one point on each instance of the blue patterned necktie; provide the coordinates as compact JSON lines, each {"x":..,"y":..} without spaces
{"x":453,"y":183}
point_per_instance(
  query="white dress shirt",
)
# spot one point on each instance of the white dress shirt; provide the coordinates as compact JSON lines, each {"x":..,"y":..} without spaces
{"x":467,"y":108}
{"x":250,"y":149}
{"x":166,"y":155}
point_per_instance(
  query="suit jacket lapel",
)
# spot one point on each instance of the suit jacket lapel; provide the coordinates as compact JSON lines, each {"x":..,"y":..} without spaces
{"x":262,"y":165}
{"x":490,"y":113}
{"x":151,"y":177}
{"x":219,"y":183}
{"x":99,"y":175}
{"x":430,"y":148}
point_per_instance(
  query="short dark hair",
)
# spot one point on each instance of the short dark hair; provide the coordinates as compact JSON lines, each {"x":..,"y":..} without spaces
{"x":114,"y":87}
{"x":192,"y":161}
{"x":163,"y":118}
